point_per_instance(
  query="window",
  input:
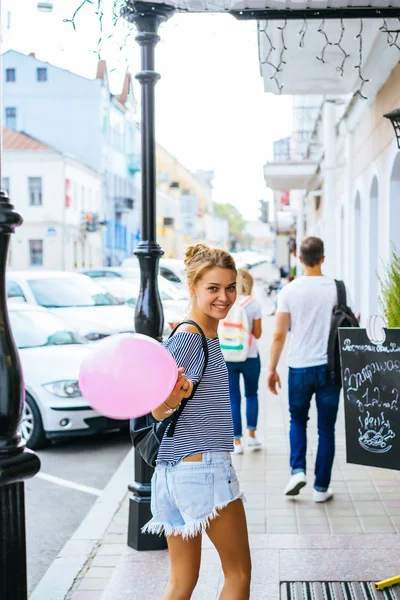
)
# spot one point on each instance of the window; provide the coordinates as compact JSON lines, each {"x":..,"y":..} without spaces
{"x":70,"y":292}
{"x":41,"y":74}
{"x":35,"y":191}
{"x":14,"y":290}
{"x":5,"y":184}
{"x":10,"y":75}
{"x":36,"y":253}
{"x":11,"y":117}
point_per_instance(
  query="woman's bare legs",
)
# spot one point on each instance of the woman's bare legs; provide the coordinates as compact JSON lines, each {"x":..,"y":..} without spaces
{"x":228,"y":533}
{"x":185,"y":556}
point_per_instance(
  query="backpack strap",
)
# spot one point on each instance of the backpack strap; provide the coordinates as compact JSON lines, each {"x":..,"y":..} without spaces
{"x":341,"y":293}
{"x":176,"y":415}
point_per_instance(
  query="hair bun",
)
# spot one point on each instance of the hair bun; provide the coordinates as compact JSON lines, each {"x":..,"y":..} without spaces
{"x":193,"y":251}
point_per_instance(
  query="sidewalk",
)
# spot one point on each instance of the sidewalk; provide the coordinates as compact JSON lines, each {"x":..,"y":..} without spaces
{"x":351,"y":538}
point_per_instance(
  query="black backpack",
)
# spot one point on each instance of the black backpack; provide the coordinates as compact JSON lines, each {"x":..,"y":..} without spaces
{"x":342,"y":316}
{"x":146,"y":432}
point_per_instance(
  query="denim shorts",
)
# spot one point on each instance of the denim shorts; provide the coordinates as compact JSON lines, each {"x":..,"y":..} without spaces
{"x":185,"y":496}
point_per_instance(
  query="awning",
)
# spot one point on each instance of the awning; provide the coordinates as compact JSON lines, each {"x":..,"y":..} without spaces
{"x":290,"y":9}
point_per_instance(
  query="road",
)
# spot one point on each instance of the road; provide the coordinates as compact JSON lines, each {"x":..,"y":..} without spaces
{"x":72,"y":475}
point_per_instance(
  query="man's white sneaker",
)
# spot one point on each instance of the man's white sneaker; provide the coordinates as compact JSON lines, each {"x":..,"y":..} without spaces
{"x":254,"y":443}
{"x":238,"y":449}
{"x":323,"y":496}
{"x":295,"y":484}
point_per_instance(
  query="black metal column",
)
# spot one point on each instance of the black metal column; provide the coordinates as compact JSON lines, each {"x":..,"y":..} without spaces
{"x":149,"y":318}
{"x":16,"y":462}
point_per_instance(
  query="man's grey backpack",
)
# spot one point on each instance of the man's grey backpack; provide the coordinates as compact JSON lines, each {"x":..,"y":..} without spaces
{"x":342,"y":316}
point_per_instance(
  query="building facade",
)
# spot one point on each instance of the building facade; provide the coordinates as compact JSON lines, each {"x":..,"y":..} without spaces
{"x":80,"y":117}
{"x":185,"y":207}
{"x":48,"y":188}
{"x":346,"y":179}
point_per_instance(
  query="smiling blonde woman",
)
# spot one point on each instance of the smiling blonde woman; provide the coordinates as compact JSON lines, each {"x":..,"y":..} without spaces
{"x":195,"y":489}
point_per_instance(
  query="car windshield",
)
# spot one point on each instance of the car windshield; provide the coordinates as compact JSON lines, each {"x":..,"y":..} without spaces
{"x":70,"y":292}
{"x":34,"y":328}
{"x":128,"y":292}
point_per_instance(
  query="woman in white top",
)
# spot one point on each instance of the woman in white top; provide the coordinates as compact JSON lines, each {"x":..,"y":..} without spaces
{"x":250,"y":370}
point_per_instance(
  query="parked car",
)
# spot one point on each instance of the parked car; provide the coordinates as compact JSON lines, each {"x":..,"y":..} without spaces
{"x":134,"y":274}
{"x":51,"y":356}
{"x":171,"y":269}
{"x":127,"y":291}
{"x":83,"y":305}
{"x":113,"y":272}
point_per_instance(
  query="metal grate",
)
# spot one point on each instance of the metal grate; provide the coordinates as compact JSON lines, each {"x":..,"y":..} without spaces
{"x":335,"y":590}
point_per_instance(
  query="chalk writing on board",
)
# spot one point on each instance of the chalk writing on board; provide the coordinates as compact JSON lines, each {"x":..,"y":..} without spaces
{"x":349,"y":347}
{"x":375,"y":433}
{"x":371,"y":390}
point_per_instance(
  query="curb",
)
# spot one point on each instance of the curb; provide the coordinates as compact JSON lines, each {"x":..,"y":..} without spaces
{"x":61,"y":575}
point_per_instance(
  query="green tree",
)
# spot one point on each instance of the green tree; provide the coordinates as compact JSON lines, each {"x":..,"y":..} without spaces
{"x":231,"y":214}
{"x":390,"y":291}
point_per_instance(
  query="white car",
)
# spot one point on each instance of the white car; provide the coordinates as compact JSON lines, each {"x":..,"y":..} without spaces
{"x":127,"y":291}
{"x":171,"y":269}
{"x":83,"y":305}
{"x":51,"y":356}
{"x":132,"y":273}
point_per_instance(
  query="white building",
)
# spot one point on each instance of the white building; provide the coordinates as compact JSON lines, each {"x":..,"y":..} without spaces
{"x":43,"y":186}
{"x":346,"y":179}
{"x":80,"y":117}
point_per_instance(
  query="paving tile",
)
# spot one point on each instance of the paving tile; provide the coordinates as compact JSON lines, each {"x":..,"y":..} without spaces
{"x":90,"y":583}
{"x":87,"y":595}
{"x":255,"y":516}
{"x":115,"y":538}
{"x":372,"y":524}
{"x":111,"y":549}
{"x":340,"y":565}
{"x":339,"y":527}
{"x":99,"y":572}
{"x":280,"y":512}
{"x":256,"y":528}
{"x":106,"y":561}
{"x":369,"y":508}
{"x":272,"y":528}
{"x":307,"y":528}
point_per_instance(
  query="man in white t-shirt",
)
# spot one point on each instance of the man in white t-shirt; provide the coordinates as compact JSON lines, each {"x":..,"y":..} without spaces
{"x":305,"y":305}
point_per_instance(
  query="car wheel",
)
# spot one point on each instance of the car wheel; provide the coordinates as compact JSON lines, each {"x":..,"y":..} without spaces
{"x":31,"y":425}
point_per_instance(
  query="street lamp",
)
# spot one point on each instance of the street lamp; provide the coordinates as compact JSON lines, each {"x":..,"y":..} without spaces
{"x":394,"y":118}
{"x":16,"y":462}
{"x":149,"y":318}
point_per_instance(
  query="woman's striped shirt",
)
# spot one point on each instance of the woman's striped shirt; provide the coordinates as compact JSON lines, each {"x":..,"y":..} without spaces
{"x":205,"y":424}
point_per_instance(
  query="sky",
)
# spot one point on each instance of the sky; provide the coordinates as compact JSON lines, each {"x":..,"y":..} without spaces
{"x":211,"y":110}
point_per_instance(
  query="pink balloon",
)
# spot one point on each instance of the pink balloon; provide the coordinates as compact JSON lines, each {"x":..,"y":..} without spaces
{"x":127,"y":375}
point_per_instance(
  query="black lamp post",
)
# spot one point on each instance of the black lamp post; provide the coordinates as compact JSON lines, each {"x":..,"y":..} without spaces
{"x":394,"y":118}
{"x":149,"y":318}
{"x":16,"y":462}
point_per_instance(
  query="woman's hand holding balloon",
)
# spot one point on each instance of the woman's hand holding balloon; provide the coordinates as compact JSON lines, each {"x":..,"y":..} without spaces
{"x":183,"y":389}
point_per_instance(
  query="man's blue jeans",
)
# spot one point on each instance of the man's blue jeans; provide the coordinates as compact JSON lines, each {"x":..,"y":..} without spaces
{"x":250,"y":369}
{"x":303,"y":383}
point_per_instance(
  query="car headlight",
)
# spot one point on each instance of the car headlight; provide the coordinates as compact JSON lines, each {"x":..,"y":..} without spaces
{"x":64,"y":389}
{"x":94,"y":337}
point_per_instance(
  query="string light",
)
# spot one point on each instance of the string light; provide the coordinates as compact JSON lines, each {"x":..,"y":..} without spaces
{"x":275,"y":63}
{"x":392,"y":41}
{"x":340,"y":69}
{"x":322,"y":31}
{"x":359,"y":92}
{"x":302,"y":33}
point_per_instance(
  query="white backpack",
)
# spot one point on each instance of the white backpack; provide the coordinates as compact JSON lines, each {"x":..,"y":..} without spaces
{"x":235,"y":332}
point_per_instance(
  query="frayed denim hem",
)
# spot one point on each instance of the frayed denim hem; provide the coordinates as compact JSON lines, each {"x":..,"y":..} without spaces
{"x":189,"y":530}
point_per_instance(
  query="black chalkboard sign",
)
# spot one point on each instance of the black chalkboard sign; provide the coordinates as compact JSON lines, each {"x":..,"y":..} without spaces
{"x":371,"y":389}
